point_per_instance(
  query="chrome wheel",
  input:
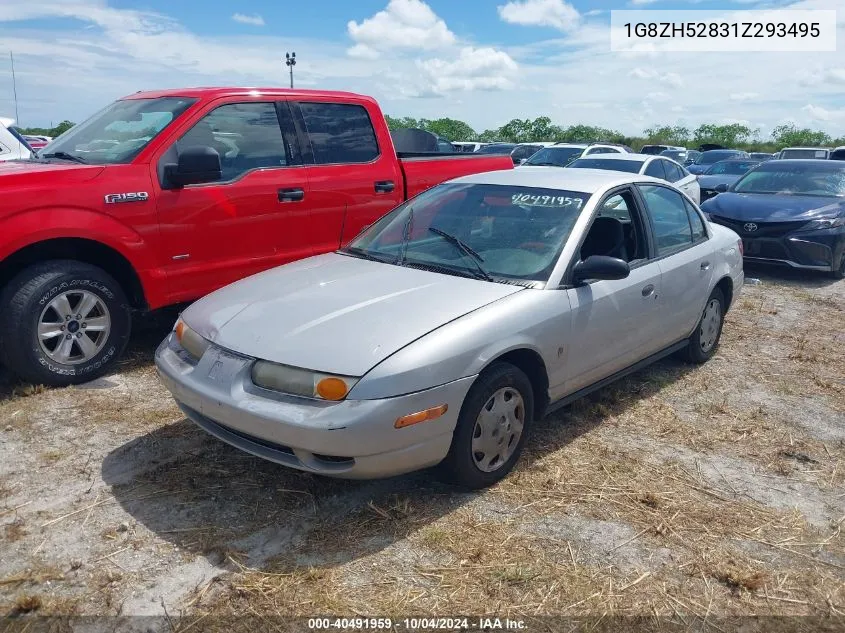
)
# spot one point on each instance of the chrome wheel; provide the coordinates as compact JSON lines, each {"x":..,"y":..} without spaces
{"x":74,"y":327}
{"x":710,"y":323}
{"x":498,"y":428}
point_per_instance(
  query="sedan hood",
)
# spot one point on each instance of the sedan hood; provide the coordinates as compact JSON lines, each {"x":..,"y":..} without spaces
{"x":710,"y":182}
{"x":772,"y":207}
{"x":335,"y":313}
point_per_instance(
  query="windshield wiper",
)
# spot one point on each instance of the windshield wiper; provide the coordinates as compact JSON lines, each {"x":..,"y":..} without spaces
{"x":65,"y":156}
{"x":466,"y":249}
{"x":542,"y":164}
{"x":363,"y":254}
{"x":406,"y":237}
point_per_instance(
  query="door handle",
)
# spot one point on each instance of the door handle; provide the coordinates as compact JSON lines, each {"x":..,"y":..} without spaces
{"x":705,"y":265}
{"x":384,"y":186}
{"x":648,"y":290}
{"x":291,"y":195}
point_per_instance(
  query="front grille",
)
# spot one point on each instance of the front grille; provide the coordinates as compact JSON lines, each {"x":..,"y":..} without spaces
{"x":764,"y":229}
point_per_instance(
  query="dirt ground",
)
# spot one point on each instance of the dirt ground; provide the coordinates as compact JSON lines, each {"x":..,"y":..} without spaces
{"x":682,"y":492}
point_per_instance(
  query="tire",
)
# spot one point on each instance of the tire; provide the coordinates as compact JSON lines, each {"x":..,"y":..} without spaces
{"x":37,"y":296}
{"x":504,"y":386}
{"x":705,"y":340}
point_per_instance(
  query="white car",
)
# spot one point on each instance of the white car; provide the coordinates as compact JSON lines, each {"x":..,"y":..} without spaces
{"x":12,"y":146}
{"x":561,"y":154}
{"x":646,"y":165}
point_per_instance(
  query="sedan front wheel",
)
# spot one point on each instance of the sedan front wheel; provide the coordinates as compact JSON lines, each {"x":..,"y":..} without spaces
{"x":491,"y":428}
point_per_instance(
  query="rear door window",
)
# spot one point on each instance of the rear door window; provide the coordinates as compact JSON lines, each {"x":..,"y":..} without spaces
{"x":669,"y":217}
{"x":674,"y":173}
{"x":655,"y":170}
{"x":340,"y":133}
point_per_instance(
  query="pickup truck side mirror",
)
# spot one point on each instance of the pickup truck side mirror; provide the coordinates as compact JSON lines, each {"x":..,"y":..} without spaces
{"x":721,"y":187}
{"x":600,"y":267}
{"x":196,"y":164}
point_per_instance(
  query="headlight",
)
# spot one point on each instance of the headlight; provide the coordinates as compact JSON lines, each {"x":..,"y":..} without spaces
{"x":301,"y":382}
{"x":190,"y":341}
{"x":824,"y":223}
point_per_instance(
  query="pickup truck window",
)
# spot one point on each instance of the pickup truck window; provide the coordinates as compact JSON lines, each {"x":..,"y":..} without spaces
{"x":117,"y":134}
{"x":246,"y":135}
{"x":339,"y":133}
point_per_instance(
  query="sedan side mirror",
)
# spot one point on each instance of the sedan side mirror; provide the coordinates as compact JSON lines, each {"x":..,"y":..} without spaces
{"x":196,"y":164}
{"x":600,"y":267}
{"x":721,"y":187}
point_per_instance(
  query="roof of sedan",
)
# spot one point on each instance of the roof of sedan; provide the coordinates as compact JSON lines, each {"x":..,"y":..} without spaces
{"x":635,"y":157}
{"x":582,"y":180}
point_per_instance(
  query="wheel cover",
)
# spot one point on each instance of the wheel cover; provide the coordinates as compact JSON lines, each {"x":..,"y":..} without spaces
{"x":710,"y":322}
{"x":74,"y":327}
{"x":498,"y":428}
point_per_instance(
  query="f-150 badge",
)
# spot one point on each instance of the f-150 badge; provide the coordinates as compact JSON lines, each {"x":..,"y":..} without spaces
{"x":114,"y":198}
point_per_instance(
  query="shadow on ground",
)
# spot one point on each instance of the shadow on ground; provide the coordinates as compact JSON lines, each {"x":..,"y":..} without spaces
{"x":211,"y":499}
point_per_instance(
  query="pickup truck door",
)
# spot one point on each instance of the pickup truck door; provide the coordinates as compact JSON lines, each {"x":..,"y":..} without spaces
{"x":614,"y":323}
{"x":254,"y":218}
{"x":353,"y":172}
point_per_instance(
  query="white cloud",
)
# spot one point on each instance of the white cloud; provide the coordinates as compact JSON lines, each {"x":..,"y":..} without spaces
{"x":555,"y":13}
{"x":474,"y":69}
{"x":254,"y":19}
{"x":402,"y":25}
{"x":743,"y":96}
{"x":818,"y":113}
{"x":671,"y":79}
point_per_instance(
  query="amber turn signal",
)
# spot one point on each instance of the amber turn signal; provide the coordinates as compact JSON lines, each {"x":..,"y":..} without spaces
{"x":331,"y":389}
{"x":180,"y":329}
{"x":421,"y":416}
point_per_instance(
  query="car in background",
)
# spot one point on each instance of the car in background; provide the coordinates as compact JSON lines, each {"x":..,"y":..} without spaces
{"x":679,"y":154}
{"x":523,"y":151}
{"x":720,"y":176}
{"x":35,"y":142}
{"x":788,"y":213}
{"x":13,"y":146}
{"x":518,"y":292}
{"x":561,"y":154}
{"x":467,"y":147}
{"x":804,"y":153}
{"x":692,"y":154}
{"x":761,"y":156}
{"x":655,"y":150}
{"x":496,"y":148}
{"x":837,"y":153}
{"x":646,"y":165}
{"x":705,"y":159}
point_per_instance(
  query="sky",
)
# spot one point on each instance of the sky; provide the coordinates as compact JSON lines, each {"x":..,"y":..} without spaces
{"x":482,"y":61}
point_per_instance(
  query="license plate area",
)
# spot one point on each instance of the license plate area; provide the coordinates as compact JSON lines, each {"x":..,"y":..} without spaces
{"x":750,"y":247}
{"x":222,"y":367}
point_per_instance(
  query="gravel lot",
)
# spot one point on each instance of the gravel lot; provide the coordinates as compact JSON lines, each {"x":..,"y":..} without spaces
{"x":685,"y":492}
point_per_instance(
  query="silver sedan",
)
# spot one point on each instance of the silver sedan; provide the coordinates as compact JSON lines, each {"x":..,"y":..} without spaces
{"x":442,"y":332}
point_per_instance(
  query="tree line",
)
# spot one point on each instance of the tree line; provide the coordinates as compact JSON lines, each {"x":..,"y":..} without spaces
{"x":52,"y":132}
{"x":542,"y":129}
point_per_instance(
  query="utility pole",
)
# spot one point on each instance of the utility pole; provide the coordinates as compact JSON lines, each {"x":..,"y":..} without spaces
{"x":15,"y":89}
{"x":290,"y":62}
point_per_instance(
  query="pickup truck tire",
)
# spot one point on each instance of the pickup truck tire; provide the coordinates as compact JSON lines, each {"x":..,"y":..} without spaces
{"x":704,"y":341}
{"x":62,"y":322}
{"x":492,"y":426}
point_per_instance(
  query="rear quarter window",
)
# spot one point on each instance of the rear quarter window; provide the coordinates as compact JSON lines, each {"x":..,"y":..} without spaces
{"x":340,"y":133}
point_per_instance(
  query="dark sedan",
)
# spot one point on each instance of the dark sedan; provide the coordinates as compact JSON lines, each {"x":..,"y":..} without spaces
{"x":720,"y":176}
{"x":788,"y":212}
{"x":705,"y":159}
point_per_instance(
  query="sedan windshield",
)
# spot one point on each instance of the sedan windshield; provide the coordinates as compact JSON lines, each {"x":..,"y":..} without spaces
{"x":730,"y":168}
{"x":118,"y":133}
{"x":811,"y":179}
{"x":476,"y":230}
{"x":554,"y":156}
{"x":630,"y":166}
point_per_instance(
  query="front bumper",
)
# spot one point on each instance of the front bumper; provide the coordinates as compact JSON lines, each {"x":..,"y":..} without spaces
{"x":352,"y":439}
{"x":821,"y":250}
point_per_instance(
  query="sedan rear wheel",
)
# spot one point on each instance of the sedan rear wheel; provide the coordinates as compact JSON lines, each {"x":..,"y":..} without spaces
{"x":705,"y":339}
{"x":491,"y":428}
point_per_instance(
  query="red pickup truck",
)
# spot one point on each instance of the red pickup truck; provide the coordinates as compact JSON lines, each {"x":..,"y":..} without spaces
{"x":165,"y":196}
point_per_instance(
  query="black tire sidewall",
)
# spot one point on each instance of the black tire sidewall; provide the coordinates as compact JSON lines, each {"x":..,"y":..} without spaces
{"x":694,"y":352}
{"x":459,"y":466}
{"x":34,"y":289}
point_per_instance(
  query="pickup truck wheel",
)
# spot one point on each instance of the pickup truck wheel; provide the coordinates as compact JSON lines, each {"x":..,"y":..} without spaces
{"x":704,"y":341}
{"x":491,"y":428}
{"x":63,"y":322}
